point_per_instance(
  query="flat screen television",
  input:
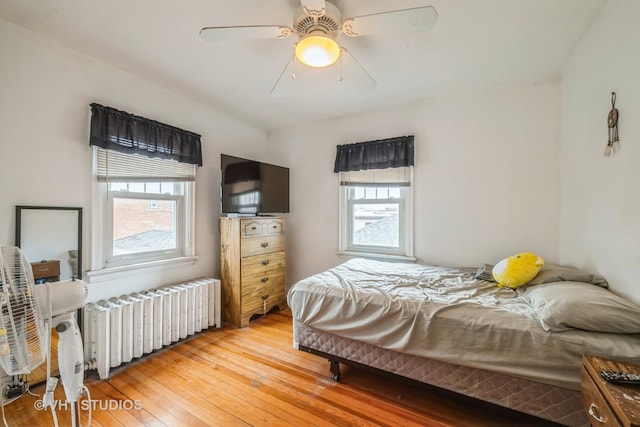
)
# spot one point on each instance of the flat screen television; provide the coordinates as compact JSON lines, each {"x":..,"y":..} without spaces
{"x":250,"y":187}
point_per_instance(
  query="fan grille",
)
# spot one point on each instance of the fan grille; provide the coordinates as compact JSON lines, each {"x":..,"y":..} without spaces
{"x":325,"y":23}
{"x":22,"y":331}
{"x":330,"y":22}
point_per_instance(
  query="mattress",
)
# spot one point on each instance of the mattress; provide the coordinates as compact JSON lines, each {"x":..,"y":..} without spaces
{"x":445,"y":314}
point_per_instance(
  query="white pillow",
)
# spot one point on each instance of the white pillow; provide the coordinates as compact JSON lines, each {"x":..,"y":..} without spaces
{"x":562,"y":306}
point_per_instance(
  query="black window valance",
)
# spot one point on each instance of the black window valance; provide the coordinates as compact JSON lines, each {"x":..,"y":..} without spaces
{"x":381,"y":154}
{"x":130,"y":134}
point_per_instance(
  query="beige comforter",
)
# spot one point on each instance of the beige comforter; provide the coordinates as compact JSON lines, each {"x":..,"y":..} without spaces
{"x":445,"y":314}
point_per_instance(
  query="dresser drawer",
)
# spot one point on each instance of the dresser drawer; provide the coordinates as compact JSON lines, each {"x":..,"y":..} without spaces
{"x":261,"y":227}
{"x":261,"y":283}
{"x":256,"y":293}
{"x":251,"y":227}
{"x":274,"y":226}
{"x":261,"y":264}
{"x":45,"y":269}
{"x":598,"y":410}
{"x":251,"y":246}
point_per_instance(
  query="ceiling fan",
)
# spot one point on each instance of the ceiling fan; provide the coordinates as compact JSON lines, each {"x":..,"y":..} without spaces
{"x":317,"y":24}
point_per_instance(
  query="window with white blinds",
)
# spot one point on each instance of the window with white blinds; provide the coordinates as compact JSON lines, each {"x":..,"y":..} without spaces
{"x":143,"y":200}
{"x":147,"y":207}
{"x":376,"y":212}
{"x":376,"y":197}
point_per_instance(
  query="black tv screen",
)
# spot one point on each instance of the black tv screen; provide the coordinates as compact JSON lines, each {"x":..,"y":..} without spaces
{"x":250,"y":187}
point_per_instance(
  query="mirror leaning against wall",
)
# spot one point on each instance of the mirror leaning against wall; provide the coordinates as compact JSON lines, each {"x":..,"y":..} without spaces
{"x":52,"y":236}
{"x":51,"y":239}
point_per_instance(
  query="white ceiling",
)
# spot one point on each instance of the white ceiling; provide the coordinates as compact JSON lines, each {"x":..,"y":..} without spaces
{"x":475,"y":45}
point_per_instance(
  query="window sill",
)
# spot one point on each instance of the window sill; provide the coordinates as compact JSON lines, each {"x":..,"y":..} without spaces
{"x":113,"y":273}
{"x":381,"y":257}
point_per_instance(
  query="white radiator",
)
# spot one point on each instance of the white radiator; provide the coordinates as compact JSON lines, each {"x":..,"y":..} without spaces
{"x":127,"y":327}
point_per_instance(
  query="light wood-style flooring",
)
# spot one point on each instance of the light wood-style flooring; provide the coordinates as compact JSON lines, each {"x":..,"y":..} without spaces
{"x":39,"y":374}
{"x":254,"y":377}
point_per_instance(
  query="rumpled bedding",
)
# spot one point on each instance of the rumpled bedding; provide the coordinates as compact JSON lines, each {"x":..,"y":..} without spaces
{"x":446,"y":314}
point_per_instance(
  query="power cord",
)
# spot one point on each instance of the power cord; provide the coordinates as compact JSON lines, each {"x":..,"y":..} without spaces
{"x":30,"y":392}
{"x":86,"y":390}
{"x":48,"y":398}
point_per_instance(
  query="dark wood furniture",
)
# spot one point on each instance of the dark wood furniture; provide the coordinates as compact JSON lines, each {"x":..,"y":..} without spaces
{"x":609,"y":404}
{"x":47,"y":271}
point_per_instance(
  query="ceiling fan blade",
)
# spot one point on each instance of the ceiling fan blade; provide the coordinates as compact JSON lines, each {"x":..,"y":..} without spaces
{"x":286,"y":80}
{"x":244,"y":33}
{"x":353,"y":72}
{"x":313,"y":7}
{"x":416,"y":19}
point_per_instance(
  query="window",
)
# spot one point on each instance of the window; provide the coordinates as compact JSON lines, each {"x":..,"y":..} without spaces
{"x":375,"y":212}
{"x":376,"y":207}
{"x":143,"y":219}
{"x":143,"y":198}
{"x":374,"y":217}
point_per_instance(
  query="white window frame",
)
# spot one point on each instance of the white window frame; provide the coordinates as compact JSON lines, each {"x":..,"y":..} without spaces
{"x":346,"y":246}
{"x":112,"y":260}
{"x":106,"y":267}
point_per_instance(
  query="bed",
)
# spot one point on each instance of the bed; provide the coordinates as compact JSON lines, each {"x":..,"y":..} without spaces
{"x":442,"y":326}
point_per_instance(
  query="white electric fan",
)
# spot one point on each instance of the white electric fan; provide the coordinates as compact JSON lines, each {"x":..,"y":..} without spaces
{"x":27,"y":312}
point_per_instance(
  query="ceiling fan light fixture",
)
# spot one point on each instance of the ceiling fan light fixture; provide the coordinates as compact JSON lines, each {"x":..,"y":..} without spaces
{"x":317,"y":50}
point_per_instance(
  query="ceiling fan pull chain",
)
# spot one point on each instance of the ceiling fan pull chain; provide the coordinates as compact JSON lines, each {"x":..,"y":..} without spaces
{"x":341,"y":55}
{"x":293,"y":64}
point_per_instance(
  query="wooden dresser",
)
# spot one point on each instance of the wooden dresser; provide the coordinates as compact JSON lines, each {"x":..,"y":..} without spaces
{"x":252,"y":264}
{"x":609,"y":404}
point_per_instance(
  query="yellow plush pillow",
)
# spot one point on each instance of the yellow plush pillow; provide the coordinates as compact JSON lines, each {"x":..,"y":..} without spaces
{"x":517,"y":270}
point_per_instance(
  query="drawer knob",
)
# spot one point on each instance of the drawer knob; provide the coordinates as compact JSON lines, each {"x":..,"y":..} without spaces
{"x":265,"y":262}
{"x":265,"y":279}
{"x":264,"y":244}
{"x":253,"y":228}
{"x":593,"y":411}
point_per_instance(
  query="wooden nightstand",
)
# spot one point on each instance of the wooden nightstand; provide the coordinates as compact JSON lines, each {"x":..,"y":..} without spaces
{"x":609,"y":404}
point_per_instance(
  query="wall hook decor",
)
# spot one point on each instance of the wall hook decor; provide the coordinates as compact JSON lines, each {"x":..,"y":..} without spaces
{"x":613,"y":144}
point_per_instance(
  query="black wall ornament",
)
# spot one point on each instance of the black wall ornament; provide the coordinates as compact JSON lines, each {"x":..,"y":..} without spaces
{"x":613,"y":144}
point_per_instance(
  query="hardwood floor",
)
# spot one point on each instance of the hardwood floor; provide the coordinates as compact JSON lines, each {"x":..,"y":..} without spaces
{"x":39,"y":374}
{"x":253,"y":377}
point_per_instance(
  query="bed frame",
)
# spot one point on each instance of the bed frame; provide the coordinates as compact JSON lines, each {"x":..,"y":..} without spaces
{"x":557,"y":404}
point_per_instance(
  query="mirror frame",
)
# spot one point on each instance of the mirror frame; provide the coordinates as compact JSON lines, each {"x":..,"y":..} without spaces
{"x":19,"y":222}
{"x":55,"y":372}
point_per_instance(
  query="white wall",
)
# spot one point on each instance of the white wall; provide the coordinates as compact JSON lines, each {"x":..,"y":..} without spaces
{"x":601,"y":199}
{"x":486,"y":177}
{"x":45,"y":92}
{"x":488,"y":168}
